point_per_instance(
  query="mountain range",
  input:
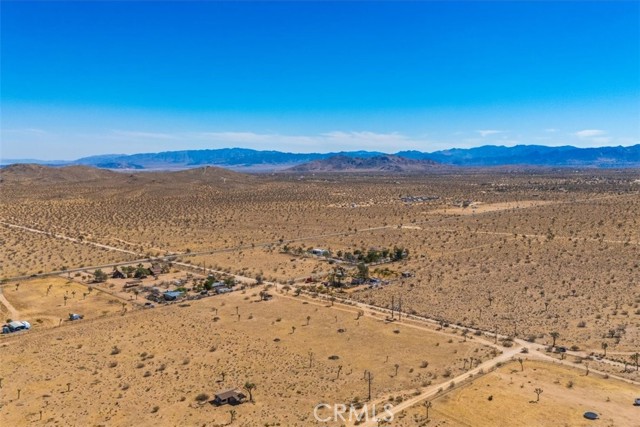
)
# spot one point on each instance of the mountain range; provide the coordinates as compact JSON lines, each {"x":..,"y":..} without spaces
{"x":381,"y":163}
{"x":243,"y":159}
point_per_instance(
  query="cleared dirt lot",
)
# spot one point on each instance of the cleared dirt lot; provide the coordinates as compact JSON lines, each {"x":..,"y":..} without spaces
{"x":42,"y":301}
{"x":506,"y":397}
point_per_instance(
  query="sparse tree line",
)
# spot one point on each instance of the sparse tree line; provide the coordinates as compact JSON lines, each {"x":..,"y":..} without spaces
{"x":367,"y":256}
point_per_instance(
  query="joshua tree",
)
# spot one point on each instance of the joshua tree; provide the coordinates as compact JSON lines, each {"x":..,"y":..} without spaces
{"x":250,"y":387}
{"x":19,"y":391}
{"x":1,"y":382}
{"x":363,"y":271}
{"x":222,"y":374}
{"x":397,"y":367}
{"x":636,"y":358}
{"x":360,"y":314}
{"x":65,"y":299}
{"x":310,"y":358}
{"x":538,"y":392}
{"x":428,"y":405}
{"x":308,"y":319}
{"x":68,"y":387}
{"x":521,"y":363}
{"x":233,"y":415}
{"x":604,"y":347}
{"x":293,"y":329}
{"x":554,"y":335}
{"x":339,"y":369}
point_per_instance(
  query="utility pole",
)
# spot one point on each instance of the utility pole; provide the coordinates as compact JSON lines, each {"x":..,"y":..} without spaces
{"x":392,"y":305}
{"x":369,"y":378}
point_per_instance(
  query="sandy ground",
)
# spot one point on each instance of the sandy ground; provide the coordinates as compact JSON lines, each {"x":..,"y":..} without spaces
{"x":45,"y":307}
{"x":533,"y":254}
{"x":506,"y":397}
{"x":167,"y":356}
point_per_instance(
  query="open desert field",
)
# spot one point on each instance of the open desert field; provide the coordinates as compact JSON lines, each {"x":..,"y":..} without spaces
{"x":320,"y":213}
{"x":150,"y":366}
{"x":27,"y":252}
{"x":48,"y":301}
{"x":537,"y":257}
{"x":507,"y":397}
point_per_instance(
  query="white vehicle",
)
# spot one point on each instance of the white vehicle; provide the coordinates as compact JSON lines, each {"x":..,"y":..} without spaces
{"x":15,"y":326}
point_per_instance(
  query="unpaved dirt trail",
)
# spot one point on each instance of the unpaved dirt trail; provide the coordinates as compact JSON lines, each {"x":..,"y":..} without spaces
{"x":14,"y":314}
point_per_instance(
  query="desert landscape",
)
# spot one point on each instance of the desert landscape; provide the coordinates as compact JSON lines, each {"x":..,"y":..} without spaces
{"x":312,"y":213}
{"x":469,"y":290}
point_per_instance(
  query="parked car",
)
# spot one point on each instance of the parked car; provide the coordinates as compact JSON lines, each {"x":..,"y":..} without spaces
{"x":74,"y":316}
{"x":15,"y":326}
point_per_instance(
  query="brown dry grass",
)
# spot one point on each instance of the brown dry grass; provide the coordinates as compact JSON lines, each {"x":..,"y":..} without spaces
{"x":167,"y":356}
{"x":567,"y":394}
{"x":535,"y":253}
{"x":43,"y":310}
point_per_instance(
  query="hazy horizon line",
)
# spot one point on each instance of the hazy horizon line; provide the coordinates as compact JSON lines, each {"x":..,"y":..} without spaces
{"x":7,"y":160}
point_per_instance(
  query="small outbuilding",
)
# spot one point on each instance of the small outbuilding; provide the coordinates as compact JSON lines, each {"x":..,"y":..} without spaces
{"x":231,"y":397}
{"x":172,"y":295}
{"x":156,"y":270}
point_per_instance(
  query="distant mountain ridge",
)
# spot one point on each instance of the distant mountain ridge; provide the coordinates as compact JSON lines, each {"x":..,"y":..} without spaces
{"x":381,"y":163}
{"x":233,"y":158}
{"x":535,"y":155}
{"x":243,"y":159}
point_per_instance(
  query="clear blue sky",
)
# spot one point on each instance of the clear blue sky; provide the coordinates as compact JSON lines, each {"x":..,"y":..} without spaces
{"x":83,"y":78}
